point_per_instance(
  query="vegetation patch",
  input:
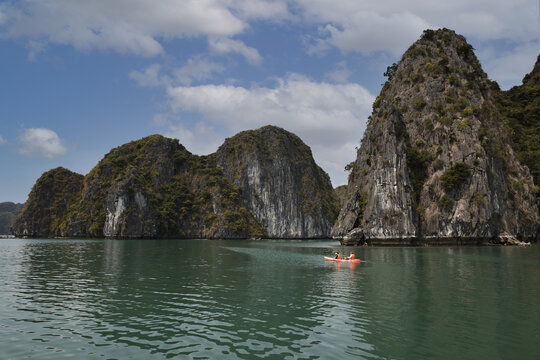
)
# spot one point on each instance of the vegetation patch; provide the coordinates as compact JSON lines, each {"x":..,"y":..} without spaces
{"x":418,"y":160}
{"x":48,"y":202}
{"x":453,"y":177}
{"x":453,"y":80}
{"x":445,"y":203}
{"x":438,"y":164}
{"x":417,"y":77}
{"x":445,"y":120}
{"x":521,"y":106}
{"x":419,"y":103}
{"x":468,"y":111}
{"x":478,"y":199}
{"x":377,"y":102}
{"x":464,"y":124}
{"x":362,"y":199}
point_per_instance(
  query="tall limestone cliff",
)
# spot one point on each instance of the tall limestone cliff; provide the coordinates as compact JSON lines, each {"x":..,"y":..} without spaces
{"x":287,"y":193}
{"x":436,"y":162}
{"x":150,"y":188}
{"x":155,"y":188}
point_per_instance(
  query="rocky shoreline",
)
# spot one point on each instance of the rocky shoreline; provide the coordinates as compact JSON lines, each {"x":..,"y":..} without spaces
{"x":501,"y":240}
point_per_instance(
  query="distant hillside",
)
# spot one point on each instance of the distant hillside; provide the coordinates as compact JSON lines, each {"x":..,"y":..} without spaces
{"x":8,"y":213}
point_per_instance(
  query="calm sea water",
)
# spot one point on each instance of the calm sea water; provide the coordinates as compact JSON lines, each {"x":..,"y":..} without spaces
{"x":157,"y":299}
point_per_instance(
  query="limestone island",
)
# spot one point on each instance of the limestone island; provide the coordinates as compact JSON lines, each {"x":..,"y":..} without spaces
{"x":447,"y":158}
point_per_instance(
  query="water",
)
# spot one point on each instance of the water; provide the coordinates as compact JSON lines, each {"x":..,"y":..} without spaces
{"x":158,"y":299}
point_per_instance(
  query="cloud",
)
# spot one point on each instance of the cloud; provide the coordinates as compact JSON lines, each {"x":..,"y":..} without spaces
{"x":144,"y":27}
{"x":2,"y":141}
{"x":510,"y":66}
{"x":40,"y":142}
{"x":197,"y":69}
{"x":224,"y":46}
{"x":190,"y":135}
{"x":3,"y":15}
{"x":330,"y":118}
{"x":150,"y":77}
{"x":273,"y":10}
{"x":136,"y":27}
{"x":34,"y":49}
{"x":340,"y":74}
{"x":368,"y":32}
{"x":125,"y":26}
{"x":392,"y":25}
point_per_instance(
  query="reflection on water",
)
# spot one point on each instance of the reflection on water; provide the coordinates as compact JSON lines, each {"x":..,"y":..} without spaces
{"x":268,"y":299}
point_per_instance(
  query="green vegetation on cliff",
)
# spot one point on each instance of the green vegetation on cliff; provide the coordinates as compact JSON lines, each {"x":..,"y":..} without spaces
{"x":273,"y":144}
{"x":8,"y":213}
{"x":166,"y":192}
{"x":48,"y":203}
{"x":521,"y":107}
{"x":418,"y":160}
{"x":454,"y":176}
{"x":280,"y":182}
{"x":341,"y":193}
{"x":154,"y":187}
{"x":436,"y":158}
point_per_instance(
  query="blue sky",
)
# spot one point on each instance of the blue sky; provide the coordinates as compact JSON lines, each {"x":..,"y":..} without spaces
{"x":79,"y":77}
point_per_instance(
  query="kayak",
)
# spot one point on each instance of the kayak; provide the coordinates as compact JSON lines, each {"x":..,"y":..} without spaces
{"x":341,"y":260}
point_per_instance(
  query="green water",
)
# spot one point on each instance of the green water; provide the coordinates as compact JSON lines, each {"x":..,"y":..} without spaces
{"x":157,"y":299}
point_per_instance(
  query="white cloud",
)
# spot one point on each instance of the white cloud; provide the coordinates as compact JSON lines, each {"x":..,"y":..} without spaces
{"x":197,"y":69}
{"x":364,"y":26}
{"x":136,"y":27}
{"x":392,"y":25}
{"x":3,"y":16}
{"x":122,"y":25}
{"x":340,"y":74}
{"x":274,"y":10}
{"x":150,"y":76}
{"x":368,"y":32}
{"x":191,"y":136}
{"x":2,"y":141}
{"x":40,"y":142}
{"x":330,"y":118}
{"x":510,"y":66}
{"x":143,"y":27}
{"x":34,"y":49}
{"x":224,"y":46}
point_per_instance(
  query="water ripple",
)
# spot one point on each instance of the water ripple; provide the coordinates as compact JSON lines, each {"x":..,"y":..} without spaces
{"x":277,"y":300}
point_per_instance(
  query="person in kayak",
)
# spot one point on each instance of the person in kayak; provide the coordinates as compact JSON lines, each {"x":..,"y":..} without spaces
{"x":338,"y":256}
{"x":350,"y":257}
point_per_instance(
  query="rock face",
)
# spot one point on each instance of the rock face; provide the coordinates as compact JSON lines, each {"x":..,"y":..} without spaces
{"x":521,"y":107}
{"x":154,"y":188}
{"x":48,"y":203}
{"x":287,"y":193}
{"x":8,"y":213}
{"x":436,"y":163}
{"x":341,"y":193}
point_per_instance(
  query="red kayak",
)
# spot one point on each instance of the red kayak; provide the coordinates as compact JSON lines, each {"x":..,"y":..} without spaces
{"x":341,"y":260}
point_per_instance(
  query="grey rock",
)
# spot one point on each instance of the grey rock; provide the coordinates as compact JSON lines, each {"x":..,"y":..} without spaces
{"x":437,"y":111}
{"x":287,"y":193}
{"x":354,"y":237}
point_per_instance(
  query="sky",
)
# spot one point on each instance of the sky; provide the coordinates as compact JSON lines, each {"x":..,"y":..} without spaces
{"x":80,"y":77}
